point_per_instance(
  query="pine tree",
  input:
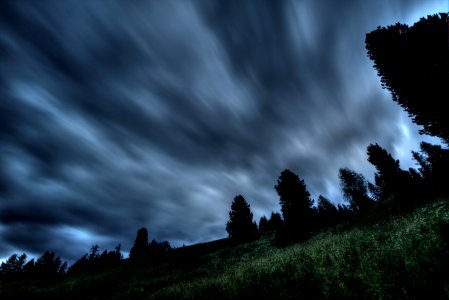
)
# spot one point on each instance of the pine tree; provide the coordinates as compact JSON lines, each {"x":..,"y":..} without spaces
{"x":433,"y":163}
{"x":241,"y":226}
{"x":391,"y":180}
{"x":355,"y":190}
{"x":296,"y":204}
{"x":413,"y":64}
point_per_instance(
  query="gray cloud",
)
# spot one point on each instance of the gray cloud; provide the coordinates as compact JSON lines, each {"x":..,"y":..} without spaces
{"x":117,"y":115}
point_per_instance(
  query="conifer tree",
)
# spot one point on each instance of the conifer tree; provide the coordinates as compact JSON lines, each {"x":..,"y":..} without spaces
{"x":355,"y":190}
{"x":241,"y":226}
{"x":296,"y":204}
{"x":413,"y":64}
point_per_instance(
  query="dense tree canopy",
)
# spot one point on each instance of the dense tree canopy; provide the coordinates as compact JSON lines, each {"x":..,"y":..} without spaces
{"x":413,"y":63}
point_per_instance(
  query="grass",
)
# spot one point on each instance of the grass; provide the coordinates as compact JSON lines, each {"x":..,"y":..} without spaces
{"x":403,"y":258}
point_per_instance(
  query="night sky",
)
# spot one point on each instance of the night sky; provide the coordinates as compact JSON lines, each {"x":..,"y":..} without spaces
{"x":117,"y":115}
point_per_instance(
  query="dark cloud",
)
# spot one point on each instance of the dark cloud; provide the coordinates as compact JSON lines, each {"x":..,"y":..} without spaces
{"x":116,"y":115}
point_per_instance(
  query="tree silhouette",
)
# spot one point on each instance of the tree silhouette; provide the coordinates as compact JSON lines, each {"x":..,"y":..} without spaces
{"x":391,"y":180}
{"x":263,"y":224}
{"x":296,"y":204}
{"x":82,"y":265}
{"x":387,"y":177}
{"x":434,"y":163}
{"x":158,"y":250}
{"x":12,"y":268}
{"x":413,"y":64}
{"x":94,"y":262}
{"x":275,"y":222}
{"x":345,"y":213}
{"x":327,"y":213}
{"x":94,"y":252}
{"x":48,"y":265}
{"x":240,"y":225}
{"x":140,"y":247}
{"x":325,"y":206}
{"x":355,"y":190}
{"x":29,"y":269}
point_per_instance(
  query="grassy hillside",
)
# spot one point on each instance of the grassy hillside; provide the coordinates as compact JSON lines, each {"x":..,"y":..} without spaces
{"x":403,"y":258}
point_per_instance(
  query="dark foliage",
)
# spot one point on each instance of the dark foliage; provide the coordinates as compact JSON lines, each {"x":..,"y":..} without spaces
{"x":413,"y":63}
{"x":392,"y":181}
{"x":46,"y":267}
{"x":140,"y":247}
{"x":388,"y":171}
{"x":327,"y":213}
{"x":355,"y":190}
{"x":12,"y":268}
{"x":273,"y":224}
{"x":344,"y":213}
{"x":241,"y":226}
{"x":94,"y":262}
{"x":296,"y":204}
{"x":263,"y":224}
{"x":433,"y":163}
{"x":159,"y":249}
{"x":29,"y":269}
{"x":285,"y":237}
{"x":49,"y":266}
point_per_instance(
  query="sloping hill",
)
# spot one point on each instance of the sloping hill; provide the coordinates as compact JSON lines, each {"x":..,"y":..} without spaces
{"x":406,"y":257}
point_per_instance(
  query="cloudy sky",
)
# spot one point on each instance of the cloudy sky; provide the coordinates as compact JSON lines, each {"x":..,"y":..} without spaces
{"x":117,"y":115}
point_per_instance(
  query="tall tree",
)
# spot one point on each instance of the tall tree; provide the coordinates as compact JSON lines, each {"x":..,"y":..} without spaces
{"x":140,"y":247}
{"x":241,"y":226}
{"x":355,"y":190}
{"x":413,"y":64}
{"x":296,"y":204}
{"x":388,"y":170}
